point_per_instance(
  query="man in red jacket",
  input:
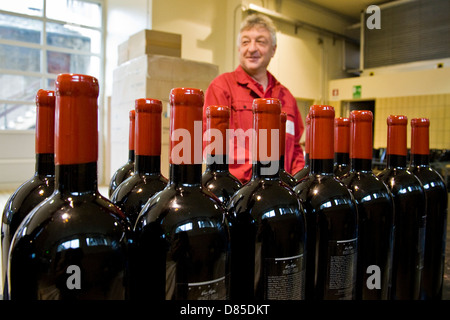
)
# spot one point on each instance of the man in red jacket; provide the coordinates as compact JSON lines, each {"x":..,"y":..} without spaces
{"x":250,"y":80}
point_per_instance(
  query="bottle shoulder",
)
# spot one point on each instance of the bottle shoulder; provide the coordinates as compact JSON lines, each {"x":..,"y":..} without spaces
{"x":407,"y":190}
{"x":366,"y":187}
{"x":325,"y":192}
{"x":27,"y":196}
{"x":121,"y":174}
{"x":139,"y":186}
{"x":259,"y":197}
{"x":288,"y":178}
{"x":363,"y":182}
{"x":221,"y":184}
{"x":60,"y":218}
{"x":175,"y":205}
{"x":315,"y":183}
{"x":302,"y":173}
{"x":399,"y":178}
{"x":428,"y":176}
{"x":223,"y":177}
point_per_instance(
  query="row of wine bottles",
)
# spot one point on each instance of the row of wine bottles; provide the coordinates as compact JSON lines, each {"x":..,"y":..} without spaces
{"x":320,"y":234}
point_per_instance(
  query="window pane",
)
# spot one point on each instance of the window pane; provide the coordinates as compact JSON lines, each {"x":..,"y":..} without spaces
{"x":51,"y":84}
{"x":18,"y":87}
{"x":67,"y":36}
{"x":19,"y":58}
{"x":17,"y":116}
{"x":31,"y":7}
{"x":20,"y":29}
{"x":79,"y":12}
{"x":61,"y":62}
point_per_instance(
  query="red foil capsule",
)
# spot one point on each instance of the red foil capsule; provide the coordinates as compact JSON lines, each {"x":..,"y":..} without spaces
{"x":76,"y":134}
{"x":321,"y":132}
{"x":266,"y":118}
{"x":420,"y":136}
{"x":397,"y":135}
{"x":342,"y":135}
{"x":131,"y":130}
{"x":45,"y":121}
{"x":361,"y":134}
{"x":148,"y":127}
{"x":186,"y":120}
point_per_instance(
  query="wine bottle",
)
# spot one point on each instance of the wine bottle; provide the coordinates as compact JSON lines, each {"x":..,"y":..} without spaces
{"x":299,"y":175}
{"x":127,"y":169}
{"x":267,"y":222}
{"x":284,"y":175}
{"x":74,"y":245}
{"x":132,"y":194}
{"x":182,"y":238}
{"x":40,"y":185}
{"x":217,"y":177}
{"x":375,"y":213}
{"x":410,"y":214}
{"x":436,"y":195}
{"x":331,"y":217}
{"x":341,"y":146}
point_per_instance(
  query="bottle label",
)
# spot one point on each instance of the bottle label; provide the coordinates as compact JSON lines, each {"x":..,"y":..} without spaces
{"x":341,"y":277}
{"x":284,"y":278}
{"x":208,"y":290}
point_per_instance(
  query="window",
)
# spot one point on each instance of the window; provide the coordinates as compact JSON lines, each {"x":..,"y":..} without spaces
{"x":38,"y":40}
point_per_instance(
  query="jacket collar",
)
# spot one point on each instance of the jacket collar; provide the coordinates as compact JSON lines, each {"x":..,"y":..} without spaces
{"x":244,"y":78}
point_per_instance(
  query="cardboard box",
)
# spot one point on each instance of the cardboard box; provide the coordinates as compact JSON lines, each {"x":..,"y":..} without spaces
{"x":122,"y":53}
{"x":151,"y":76}
{"x":154,"y":42}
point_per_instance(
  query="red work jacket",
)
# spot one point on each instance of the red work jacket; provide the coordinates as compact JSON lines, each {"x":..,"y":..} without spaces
{"x":237,"y":90}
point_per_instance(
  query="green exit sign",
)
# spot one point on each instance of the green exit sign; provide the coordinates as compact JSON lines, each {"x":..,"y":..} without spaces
{"x":357,"y":92}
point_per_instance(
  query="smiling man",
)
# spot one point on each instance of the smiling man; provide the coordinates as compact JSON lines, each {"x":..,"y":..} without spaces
{"x":257,"y":44}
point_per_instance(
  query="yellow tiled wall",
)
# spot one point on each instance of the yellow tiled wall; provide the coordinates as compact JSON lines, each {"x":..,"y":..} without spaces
{"x":434,"y":107}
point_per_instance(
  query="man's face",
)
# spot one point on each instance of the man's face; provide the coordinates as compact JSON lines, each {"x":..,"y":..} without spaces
{"x":255,"y":50}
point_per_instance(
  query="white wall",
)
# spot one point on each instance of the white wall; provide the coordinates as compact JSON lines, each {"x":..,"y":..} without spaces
{"x":394,"y":84}
{"x":306,"y":60}
{"x":123,"y":18}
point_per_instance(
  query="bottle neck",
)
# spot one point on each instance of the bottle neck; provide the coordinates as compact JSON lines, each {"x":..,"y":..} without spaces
{"x":282,"y":162}
{"x":341,"y":158}
{"x":420,"y":160}
{"x":185,"y":174}
{"x":147,"y":164}
{"x":45,"y":164}
{"x":361,"y":165}
{"x":131,"y":155}
{"x":76,"y":179}
{"x":307,"y":159}
{"x":217,"y":163}
{"x":269,"y":170}
{"x":396,"y":161}
{"x":321,"y":166}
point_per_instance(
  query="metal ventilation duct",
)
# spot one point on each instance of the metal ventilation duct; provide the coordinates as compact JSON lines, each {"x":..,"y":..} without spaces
{"x":410,"y":31}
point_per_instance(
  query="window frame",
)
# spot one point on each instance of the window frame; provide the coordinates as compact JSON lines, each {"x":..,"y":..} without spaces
{"x":44,"y":48}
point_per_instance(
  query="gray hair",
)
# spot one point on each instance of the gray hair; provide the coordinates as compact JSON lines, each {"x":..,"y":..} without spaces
{"x":259,"y":20}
